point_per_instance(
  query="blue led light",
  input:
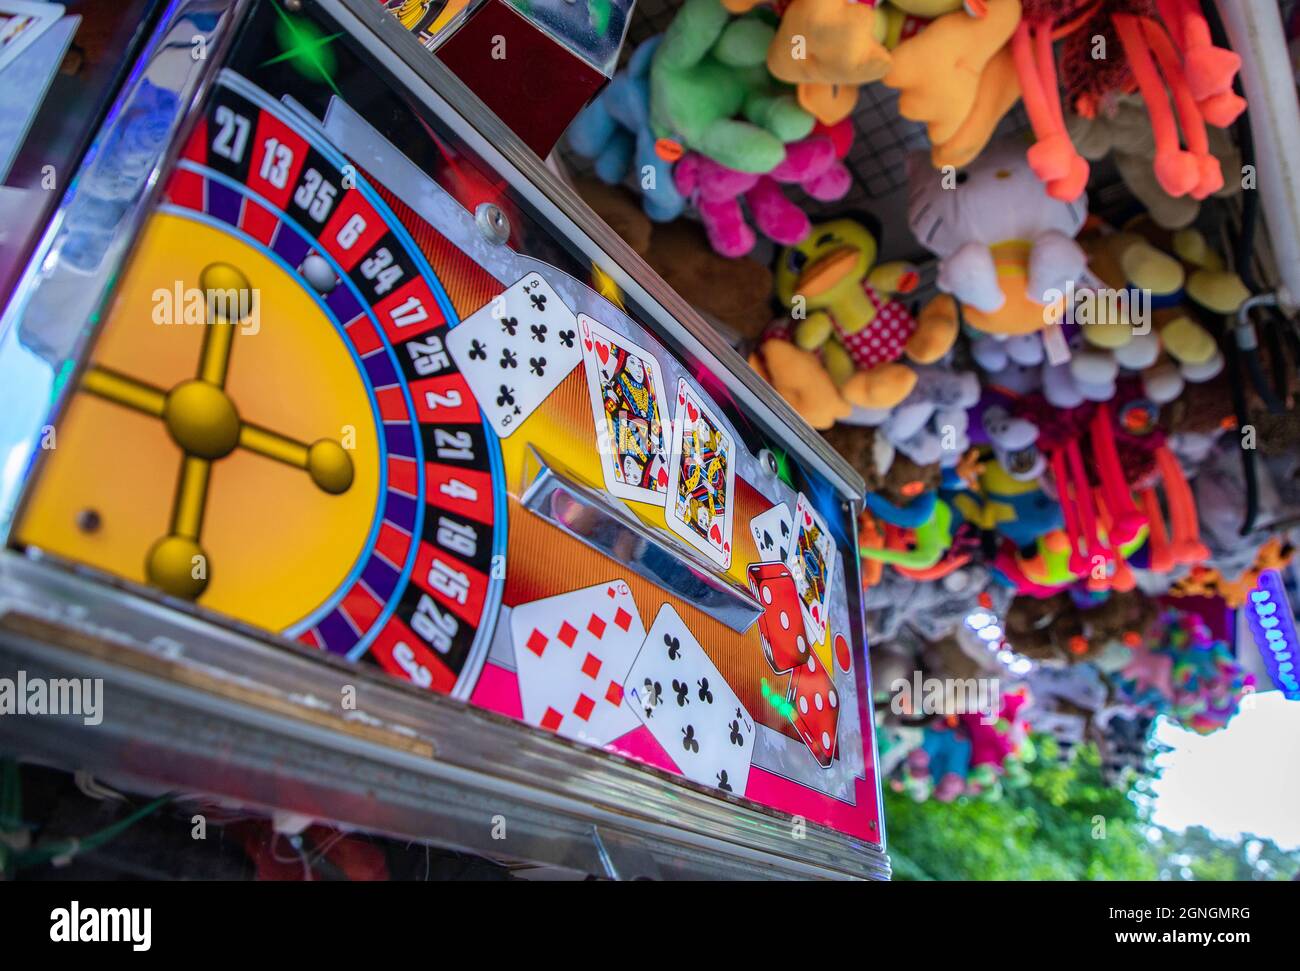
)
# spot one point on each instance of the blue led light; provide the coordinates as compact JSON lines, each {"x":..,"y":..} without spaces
{"x":1269,"y":614}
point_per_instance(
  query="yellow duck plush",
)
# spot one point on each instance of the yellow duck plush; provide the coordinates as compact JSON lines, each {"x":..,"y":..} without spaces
{"x":841,"y":306}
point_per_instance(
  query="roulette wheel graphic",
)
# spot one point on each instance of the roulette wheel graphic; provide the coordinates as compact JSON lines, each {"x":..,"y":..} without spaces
{"x":269,"y":426}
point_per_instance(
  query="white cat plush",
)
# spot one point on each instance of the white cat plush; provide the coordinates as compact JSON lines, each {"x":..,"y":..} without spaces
{"x":1006,"y":248}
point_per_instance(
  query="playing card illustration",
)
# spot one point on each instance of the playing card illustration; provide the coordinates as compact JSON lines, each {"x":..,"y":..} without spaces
{"x":780,"y":625}
{"x":811,"y":562}
{"x":629,"y":406}
{"x":22,"y":22}
{"x":515,"y":350}
{"x":692,"y":712}
{"x":771,"y":531}
{"x":572,"y":654}
{"x":701,"y":477}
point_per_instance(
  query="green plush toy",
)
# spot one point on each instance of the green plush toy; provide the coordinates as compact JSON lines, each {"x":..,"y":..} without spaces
{"x":710,"y":90}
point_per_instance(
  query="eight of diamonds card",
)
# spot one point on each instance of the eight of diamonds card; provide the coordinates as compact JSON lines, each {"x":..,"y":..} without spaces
{"x":688,"y":707}
{"x":572,"y":653}
{"x":515,"y":351}
{"x":630,"y":408}
{"x":701,"y":477}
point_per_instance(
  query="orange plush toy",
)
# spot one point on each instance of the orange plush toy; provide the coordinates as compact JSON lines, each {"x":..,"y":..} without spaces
{"x":947,"y":59}
{"x":1167,"y":52}
{"x":953,"y":72}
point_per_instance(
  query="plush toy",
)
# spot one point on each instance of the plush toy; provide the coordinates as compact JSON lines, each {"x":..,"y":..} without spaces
{"x":1124,"y":133}
{"x":1186,"y":674}
{"x":954,"y":73}
{"x":710,"y":91}
{"x":828,"y":48}
{"x":899,"y":607}
{"x":901,"y":489}
{"x":800,"y":378}
{"x":1006,"y":250}
{"x":614,"y":132}
{"x":1128,"y":455}
{"x":994,"y":741}
{"x":1171,"y":348}
{"x":732,"y":294}
{"x":916,"y":551}
{"x":813,"y":165}
{"x":840,"y":306}
{"x":931,"y":424}
{"x":1016,"y":509}
{"x":946,"y":58}
{"x":1074,"y":627}
{"x":1142,"y":53}
{"x":938,"y":769}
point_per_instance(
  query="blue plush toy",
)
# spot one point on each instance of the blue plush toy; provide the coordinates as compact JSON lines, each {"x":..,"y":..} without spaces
{"x":614,"y":131}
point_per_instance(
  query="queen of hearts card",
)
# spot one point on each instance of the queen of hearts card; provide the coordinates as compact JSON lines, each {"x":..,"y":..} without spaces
{"x":625,"y":385}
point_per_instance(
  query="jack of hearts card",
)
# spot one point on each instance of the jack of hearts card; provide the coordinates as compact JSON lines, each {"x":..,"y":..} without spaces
{"x":701,"y":477}
{"x":630,"y":409}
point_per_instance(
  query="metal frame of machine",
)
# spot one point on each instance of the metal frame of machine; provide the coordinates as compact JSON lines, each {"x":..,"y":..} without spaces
{"x":194,"y":705}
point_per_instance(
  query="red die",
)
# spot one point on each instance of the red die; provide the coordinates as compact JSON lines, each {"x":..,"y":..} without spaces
{"x":781,"y":624}
{"x":816,"y":708}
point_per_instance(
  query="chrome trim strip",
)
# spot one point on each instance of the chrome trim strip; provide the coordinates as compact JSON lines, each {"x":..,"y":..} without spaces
{"x":220,"y":709}
{"x":592,"y":517}
{"x":204,"y":708}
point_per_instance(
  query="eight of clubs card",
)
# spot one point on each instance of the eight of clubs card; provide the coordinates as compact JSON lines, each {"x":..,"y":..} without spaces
{"x":812,"y":563}
{"x":572,"y":654}
{"x":629,"y":407}
{"x":515,"y":350}
{"x":701,"y":478}
{"x":691,"y":711}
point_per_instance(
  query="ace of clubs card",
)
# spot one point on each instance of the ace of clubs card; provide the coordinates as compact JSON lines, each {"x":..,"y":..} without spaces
{"x":515,"y":350}
{"x":812,"y":563}
{"x":701,"y":478}
{"x":629,"y":407}
{"x":689,"y":708}
{"x":572,"y":654}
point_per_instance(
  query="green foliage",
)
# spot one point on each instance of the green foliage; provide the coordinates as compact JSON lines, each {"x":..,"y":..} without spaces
{"x":1197,"y":854}
{"x":1066,"y":824}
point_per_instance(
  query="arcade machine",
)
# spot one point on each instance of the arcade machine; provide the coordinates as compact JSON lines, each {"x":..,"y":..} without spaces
{"x":383,"y":485}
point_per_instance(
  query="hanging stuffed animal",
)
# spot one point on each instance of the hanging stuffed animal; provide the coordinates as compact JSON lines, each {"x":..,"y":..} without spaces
{"x":1006,"y":249}
{"x":842,"y":306}
{"x":953,"y":71}
{"x":814,"y":165}
{"x":1124,"y":134}
{"x":614,"y":132}
{"x":1175,"y":58}
{"x":710,"y":91}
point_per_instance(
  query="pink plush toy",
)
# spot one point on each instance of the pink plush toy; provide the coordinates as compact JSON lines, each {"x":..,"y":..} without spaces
{"x":814,"y":164}
{"x":992,"y":744}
